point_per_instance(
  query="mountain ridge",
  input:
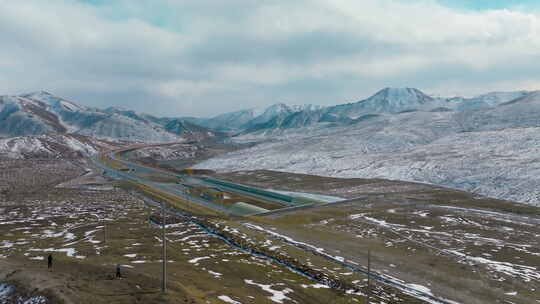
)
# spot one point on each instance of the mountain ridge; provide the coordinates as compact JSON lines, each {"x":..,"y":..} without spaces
{"x":42,"y":112}
{"x":388,"y":101}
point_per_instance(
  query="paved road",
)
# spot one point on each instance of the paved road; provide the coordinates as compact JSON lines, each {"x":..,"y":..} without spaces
{"x":172,"y":189}
{"x":199,"y":181}
{"x":178,"y":191}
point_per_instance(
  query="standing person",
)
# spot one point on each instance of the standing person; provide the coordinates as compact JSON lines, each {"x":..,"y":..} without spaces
{"x":118,"y":273}
{"x":49,"y":261}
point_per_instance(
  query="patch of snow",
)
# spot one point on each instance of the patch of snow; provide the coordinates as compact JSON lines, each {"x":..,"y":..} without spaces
{"x":39,"y":258}
{"x":226,"y":299}
{"x":277,"y":296}
{"x":195,"y":260}
{"x":316,"y":286}
{"x":215,"y":274}
{"x":421,"y":288}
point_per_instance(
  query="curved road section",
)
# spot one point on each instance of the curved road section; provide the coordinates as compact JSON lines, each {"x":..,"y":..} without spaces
{"x":179,"y":191}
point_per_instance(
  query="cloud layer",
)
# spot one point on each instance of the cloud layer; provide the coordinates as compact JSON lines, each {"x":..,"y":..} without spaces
{"x":181,"y":57}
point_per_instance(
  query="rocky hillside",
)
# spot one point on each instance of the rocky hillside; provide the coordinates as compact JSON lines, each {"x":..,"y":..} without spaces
{"x":52,"y":146}
{"x":43,"y":113}
{"x":280,"y":118}
{"x":492,"y":151}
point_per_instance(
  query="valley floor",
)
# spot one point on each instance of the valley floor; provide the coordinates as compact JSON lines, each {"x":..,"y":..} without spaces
{"x":90,"y":225}
{"x":456,"y":246}
{"x":460,"y":246}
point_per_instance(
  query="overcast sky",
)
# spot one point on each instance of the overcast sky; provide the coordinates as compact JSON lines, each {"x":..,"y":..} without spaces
{"x":204,"y":57}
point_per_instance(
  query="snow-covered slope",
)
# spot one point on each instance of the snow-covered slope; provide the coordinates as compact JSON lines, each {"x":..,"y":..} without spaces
{"x":229,"y":121}
{"x":43,"y":113}
{"x":485,"y":101}
{"x":253,"y":119}
{"x":167,"y":152}
{"x":51,"y":146}
{"x":125,"y":128}
{"x":389,"y":100}
{"x":21,"y":116}
{"x":190,"y":131}
{"x":281,"y":116}
{"x":494,"y":152}
{"x":278,"y":109}
{"x":71,"y":116}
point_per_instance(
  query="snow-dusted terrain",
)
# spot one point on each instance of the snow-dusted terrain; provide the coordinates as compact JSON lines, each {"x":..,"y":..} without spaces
{"x":486,"y":144}
{"x":279,"y":117}
{"x":167,"y":152}
{"x":51,"y":146}
{"x":43,"y":113}
{"x":493,"y":152}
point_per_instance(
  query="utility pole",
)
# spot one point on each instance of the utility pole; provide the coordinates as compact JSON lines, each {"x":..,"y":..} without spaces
{"x":104,"y":233}
{"x":164,"y":257}
{"x":368,"y":275}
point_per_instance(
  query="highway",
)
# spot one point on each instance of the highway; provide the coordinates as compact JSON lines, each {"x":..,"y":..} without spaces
{"x":179,"y":191}
{"x":172,"y":189}
{"x":211,"y":182}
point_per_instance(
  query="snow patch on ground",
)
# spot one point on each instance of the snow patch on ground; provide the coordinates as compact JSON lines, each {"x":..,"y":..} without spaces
{"x":226,"y":299}
{"x":277,"y":296}
{"x":196,"y":260}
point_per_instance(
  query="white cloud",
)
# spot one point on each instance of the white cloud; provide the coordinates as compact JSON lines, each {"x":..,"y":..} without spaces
{"x":205,"y":57}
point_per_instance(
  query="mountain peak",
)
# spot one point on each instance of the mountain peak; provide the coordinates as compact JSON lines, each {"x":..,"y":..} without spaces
{"x":46,"y":93}
{"x":399,"y":92}
{"x":38,"y":94}
{"x":395,"y":100}
{"x":277,"y":108}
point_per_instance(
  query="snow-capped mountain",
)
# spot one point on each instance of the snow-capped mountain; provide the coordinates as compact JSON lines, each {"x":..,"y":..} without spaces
{"x":21,"y":116}
{"x":279,"y":109}
{"x":252,"y":119}
{"x":389,"y":100}
{"x":488,"y":144}
{"x":485,"y":101}
{"x":493,"y":151}
{"x":191,"y":131}
{"x":125,"y":128}
{"x":282,"y":116}
{"x":226,"y":122}
{"x":70,"y":115}
{"x":43,"y":113}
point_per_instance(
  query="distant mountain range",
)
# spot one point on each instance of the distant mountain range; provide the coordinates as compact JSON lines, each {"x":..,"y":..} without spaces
{"x":389,"y":101}
{"x":43,"y":113}
{"x":489,"y":144}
